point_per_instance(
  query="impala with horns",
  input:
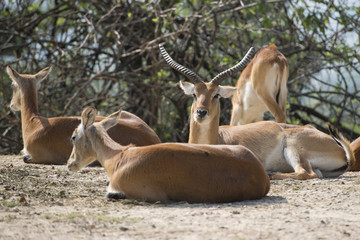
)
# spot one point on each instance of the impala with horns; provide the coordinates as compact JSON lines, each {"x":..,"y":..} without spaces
{"x":46,"y":140}
{"x":287,"y":151}
{"x":205,"y":110}
{"x":169,"y":171}
{"x":261,"y":87}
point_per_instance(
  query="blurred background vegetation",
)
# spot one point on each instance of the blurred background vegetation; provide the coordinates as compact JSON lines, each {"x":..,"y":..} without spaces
{"x":105,"y":54}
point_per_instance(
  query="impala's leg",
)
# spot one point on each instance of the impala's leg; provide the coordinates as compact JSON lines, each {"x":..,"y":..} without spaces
{"x":236,"y":114}
{"x":282,"y":95}
{"x":272,"y":105}
{"x":302,"y":167}
{"x":300,"y":175}
{"x":267,"y":83}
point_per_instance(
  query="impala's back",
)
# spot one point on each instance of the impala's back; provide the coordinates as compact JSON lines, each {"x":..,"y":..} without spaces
{"x":168,"y":171}
{"x":188,"y":172}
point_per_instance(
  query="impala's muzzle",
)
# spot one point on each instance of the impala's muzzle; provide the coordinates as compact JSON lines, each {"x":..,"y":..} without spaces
{"x":72,"y":166}
{"x":14,"y":107}
{"x":201,"y":113}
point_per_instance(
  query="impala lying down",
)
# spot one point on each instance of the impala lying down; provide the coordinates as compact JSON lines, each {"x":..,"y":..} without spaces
{"x":46,"y":140}
{"x":288,"y":151}
{"x":169,"y":171}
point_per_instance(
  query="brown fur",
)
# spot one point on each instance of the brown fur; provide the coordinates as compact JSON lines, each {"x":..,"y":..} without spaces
{"x":47,"y":140}
{"x":171,"y":171}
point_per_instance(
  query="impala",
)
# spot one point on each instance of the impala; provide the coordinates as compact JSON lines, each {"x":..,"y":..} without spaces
{"x":355,"y":145}
{"x":287,"y":151}
{"x":46,"y":140}
{"x":169,"y":171}
{"x":261,"y":87}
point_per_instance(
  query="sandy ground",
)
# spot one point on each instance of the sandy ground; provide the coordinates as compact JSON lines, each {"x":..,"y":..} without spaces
{"x":48,"y":202}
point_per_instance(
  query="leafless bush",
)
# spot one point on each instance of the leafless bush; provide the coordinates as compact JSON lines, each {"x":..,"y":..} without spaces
{"x":106,"y":55}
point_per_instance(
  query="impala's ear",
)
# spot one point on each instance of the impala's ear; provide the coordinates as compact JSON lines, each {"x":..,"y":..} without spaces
{"x":40,"y":76}
{"x":226,"y":91}
{"x":111,"y":120}
{"x":88,"y":117}
{"x":187,"y":87}
{"x":14,"y":75}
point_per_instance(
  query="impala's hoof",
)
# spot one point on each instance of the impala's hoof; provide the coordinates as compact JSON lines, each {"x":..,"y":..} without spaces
{"x":115,"y":195}
{"x":27,"y":158}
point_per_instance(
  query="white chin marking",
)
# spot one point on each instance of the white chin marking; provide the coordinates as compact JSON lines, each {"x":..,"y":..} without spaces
{"x":201,"y":120}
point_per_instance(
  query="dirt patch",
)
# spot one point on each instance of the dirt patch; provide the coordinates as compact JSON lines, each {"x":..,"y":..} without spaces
{"x":48,"y":202}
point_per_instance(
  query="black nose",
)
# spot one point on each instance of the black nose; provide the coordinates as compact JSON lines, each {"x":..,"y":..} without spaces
{"x":201,"y":113}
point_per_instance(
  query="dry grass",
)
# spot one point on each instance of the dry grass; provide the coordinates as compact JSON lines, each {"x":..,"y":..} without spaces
{"x":48,"y":202}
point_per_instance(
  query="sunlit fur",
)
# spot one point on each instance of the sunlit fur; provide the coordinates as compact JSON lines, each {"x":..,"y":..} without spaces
{"x":169,"y":171}
{"x":47,"y":140}
{"x":261,"y":87}
{"x":355,"y":146}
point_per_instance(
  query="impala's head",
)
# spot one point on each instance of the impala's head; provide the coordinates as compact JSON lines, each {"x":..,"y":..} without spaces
{"x":206,"y":105}
{"x":24,"y":84}
{"x":84,"y":152}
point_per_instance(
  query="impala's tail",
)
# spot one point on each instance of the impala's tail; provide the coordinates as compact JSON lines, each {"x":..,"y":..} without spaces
{"x":344,"y":143}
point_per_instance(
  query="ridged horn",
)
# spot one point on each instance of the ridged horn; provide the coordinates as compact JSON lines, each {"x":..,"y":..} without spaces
{"x":238,"y":67}
{"x":193,"y":77}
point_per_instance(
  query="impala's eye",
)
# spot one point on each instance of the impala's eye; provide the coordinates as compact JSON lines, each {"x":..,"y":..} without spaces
{"x":72,"y":139}
{"x":217,"y":95}
{"x":194,"y":95}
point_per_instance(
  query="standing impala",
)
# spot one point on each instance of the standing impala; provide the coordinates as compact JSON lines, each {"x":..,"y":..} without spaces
{"x":47,"y":140}
{"x":261,"y":87}
{"x":168,"y":171}
{"x":288,"y":150}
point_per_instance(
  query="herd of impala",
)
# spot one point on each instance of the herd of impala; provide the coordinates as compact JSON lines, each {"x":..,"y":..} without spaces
{"x":219,"y":164}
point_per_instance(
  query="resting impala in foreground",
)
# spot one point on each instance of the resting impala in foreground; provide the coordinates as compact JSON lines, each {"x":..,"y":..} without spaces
{"x":46,"y":140}
{"x":289,"y":151}
{"x":355,"y":146}
{"x":261,"y":87}
{"x":168,"y":171}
